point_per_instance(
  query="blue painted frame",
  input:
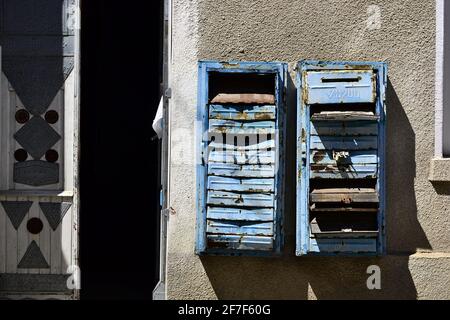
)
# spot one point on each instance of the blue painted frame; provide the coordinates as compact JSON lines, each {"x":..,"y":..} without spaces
{"x":204,"y":68}
{"x":304,"y":244}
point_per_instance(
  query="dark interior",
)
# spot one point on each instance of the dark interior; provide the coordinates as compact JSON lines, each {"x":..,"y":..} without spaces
{"x":235,"y":83}
{"x":121,"y":70}
{"x":349,"y":107}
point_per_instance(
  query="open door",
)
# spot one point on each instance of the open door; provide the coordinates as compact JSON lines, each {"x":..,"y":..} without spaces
{"x":39,"y":95}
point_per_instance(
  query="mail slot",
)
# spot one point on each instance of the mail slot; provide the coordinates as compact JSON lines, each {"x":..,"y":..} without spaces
{"x":240,"y":160}
{"x":340,"y":86}
{"x":340,"y":164}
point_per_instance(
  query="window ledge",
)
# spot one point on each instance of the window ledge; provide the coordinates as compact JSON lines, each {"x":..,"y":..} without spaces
{"x":440,"y":170}
{"x":37,"y":193}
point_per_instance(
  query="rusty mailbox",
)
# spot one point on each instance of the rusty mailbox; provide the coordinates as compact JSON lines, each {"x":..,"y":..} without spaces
{"x":240,"y":162}
{"x":340,"y":158}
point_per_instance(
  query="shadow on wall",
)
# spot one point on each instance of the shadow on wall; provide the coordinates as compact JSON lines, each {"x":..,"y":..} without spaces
{"x":404,"y":233}
{"x":442,"y":188}
{"x":290,"y":277}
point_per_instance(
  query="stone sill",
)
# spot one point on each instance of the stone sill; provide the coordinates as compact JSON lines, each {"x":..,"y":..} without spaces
{"x":440,"y":170}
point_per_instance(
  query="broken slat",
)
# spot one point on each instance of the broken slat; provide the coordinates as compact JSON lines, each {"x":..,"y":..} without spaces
{"x":234,"y":199}
{"x":242,"y":170}
{"x":240,"y":185}
{"x":248,"y":228}
{"x":223,"y":213}
{"x":344,"y":128}
{"x":247,"y":113}
{"x":237,"y":242}
{"x":346,"y":234}
{"x":357,"y":171}
{"x":343,"y":143}
{"x":345,"y":116}
{"x":349,"y":232}
{"x":354,"y":157}
{"x":341,"y":209}
{"x":344,"y":195}
{"x":242,"y":157}
{"x":257,"y":98}
{"x":233,"y":127}
{"x":343,"y":246}
{"x":343,"y":190}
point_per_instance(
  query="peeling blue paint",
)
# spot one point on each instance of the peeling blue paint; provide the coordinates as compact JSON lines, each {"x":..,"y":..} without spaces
{"x":340,"y":144}
{"x":240,"y":164}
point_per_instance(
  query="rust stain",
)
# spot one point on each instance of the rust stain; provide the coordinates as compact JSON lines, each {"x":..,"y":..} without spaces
{"x":263,"y":116}
{"x":303,"y":135}
{"x":358,"y":67}
{"x":318,"y":156}
{"x":239,"y":200}
{"x":304,"y":89}
{"x":214,"y":244}
{"x":374,"y":87}
{"x":228,"y":65}
{"x":346,"y":200}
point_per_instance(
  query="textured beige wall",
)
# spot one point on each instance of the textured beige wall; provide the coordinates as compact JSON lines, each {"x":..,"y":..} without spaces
{"x":418,"y":212}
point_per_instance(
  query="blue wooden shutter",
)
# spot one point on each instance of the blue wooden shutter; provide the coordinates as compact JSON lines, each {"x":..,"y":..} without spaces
{"x":240,"y":134}
{"x":340,"y":158}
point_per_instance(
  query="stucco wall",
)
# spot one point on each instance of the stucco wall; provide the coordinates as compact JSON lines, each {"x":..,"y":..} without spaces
{"x":418,"y":212}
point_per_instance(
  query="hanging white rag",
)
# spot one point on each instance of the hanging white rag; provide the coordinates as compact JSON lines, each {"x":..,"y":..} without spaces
{"x":158,"y":120}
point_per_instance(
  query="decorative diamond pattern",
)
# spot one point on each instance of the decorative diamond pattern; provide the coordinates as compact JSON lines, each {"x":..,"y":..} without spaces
{"x":36,"y":137}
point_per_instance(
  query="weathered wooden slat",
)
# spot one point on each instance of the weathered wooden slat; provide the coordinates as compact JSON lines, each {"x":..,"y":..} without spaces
{"x":340,"y":86}
{"x":344,"y":172}
{"x":229,"y":145}
{"x":343,"y":190}
{"x":241,"y":170}
{"x":224,"y":213}
{"x":345,"y":234}
{"x":233,"y":128}
{"x":241,"y":157}
{"x":220,"y":198}
{"x":344,"y":195}
{"x":240,"y":184}
{"x":259,"y":98}
{"x":344,"y":128}
{"x":325,"y":209}
{"x":354,"y":157}
{"x":343,"y":143}
{"x":345,"y":116}
{"x":233,"y":112}
{"x":236,"y":242}
{"x":247,"y":228}
{"x":317,"y":231}
{"x":343,"y":245}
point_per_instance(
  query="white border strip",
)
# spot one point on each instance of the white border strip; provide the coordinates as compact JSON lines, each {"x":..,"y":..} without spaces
{"x":439,"y":90}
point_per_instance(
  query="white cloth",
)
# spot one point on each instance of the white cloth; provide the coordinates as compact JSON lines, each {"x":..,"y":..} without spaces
{"x":158,"y":120}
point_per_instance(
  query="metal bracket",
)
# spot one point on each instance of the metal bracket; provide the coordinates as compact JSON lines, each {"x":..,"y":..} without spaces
{"x":167,"y":212}
{"x":168,"y":93}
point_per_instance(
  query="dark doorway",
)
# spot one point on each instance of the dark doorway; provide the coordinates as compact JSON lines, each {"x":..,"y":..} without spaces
{"x":121,"y":68}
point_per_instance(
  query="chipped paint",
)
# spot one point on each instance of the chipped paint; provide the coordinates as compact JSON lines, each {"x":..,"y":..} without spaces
{"x":342,"y":145}
{"x":238,"y":204}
